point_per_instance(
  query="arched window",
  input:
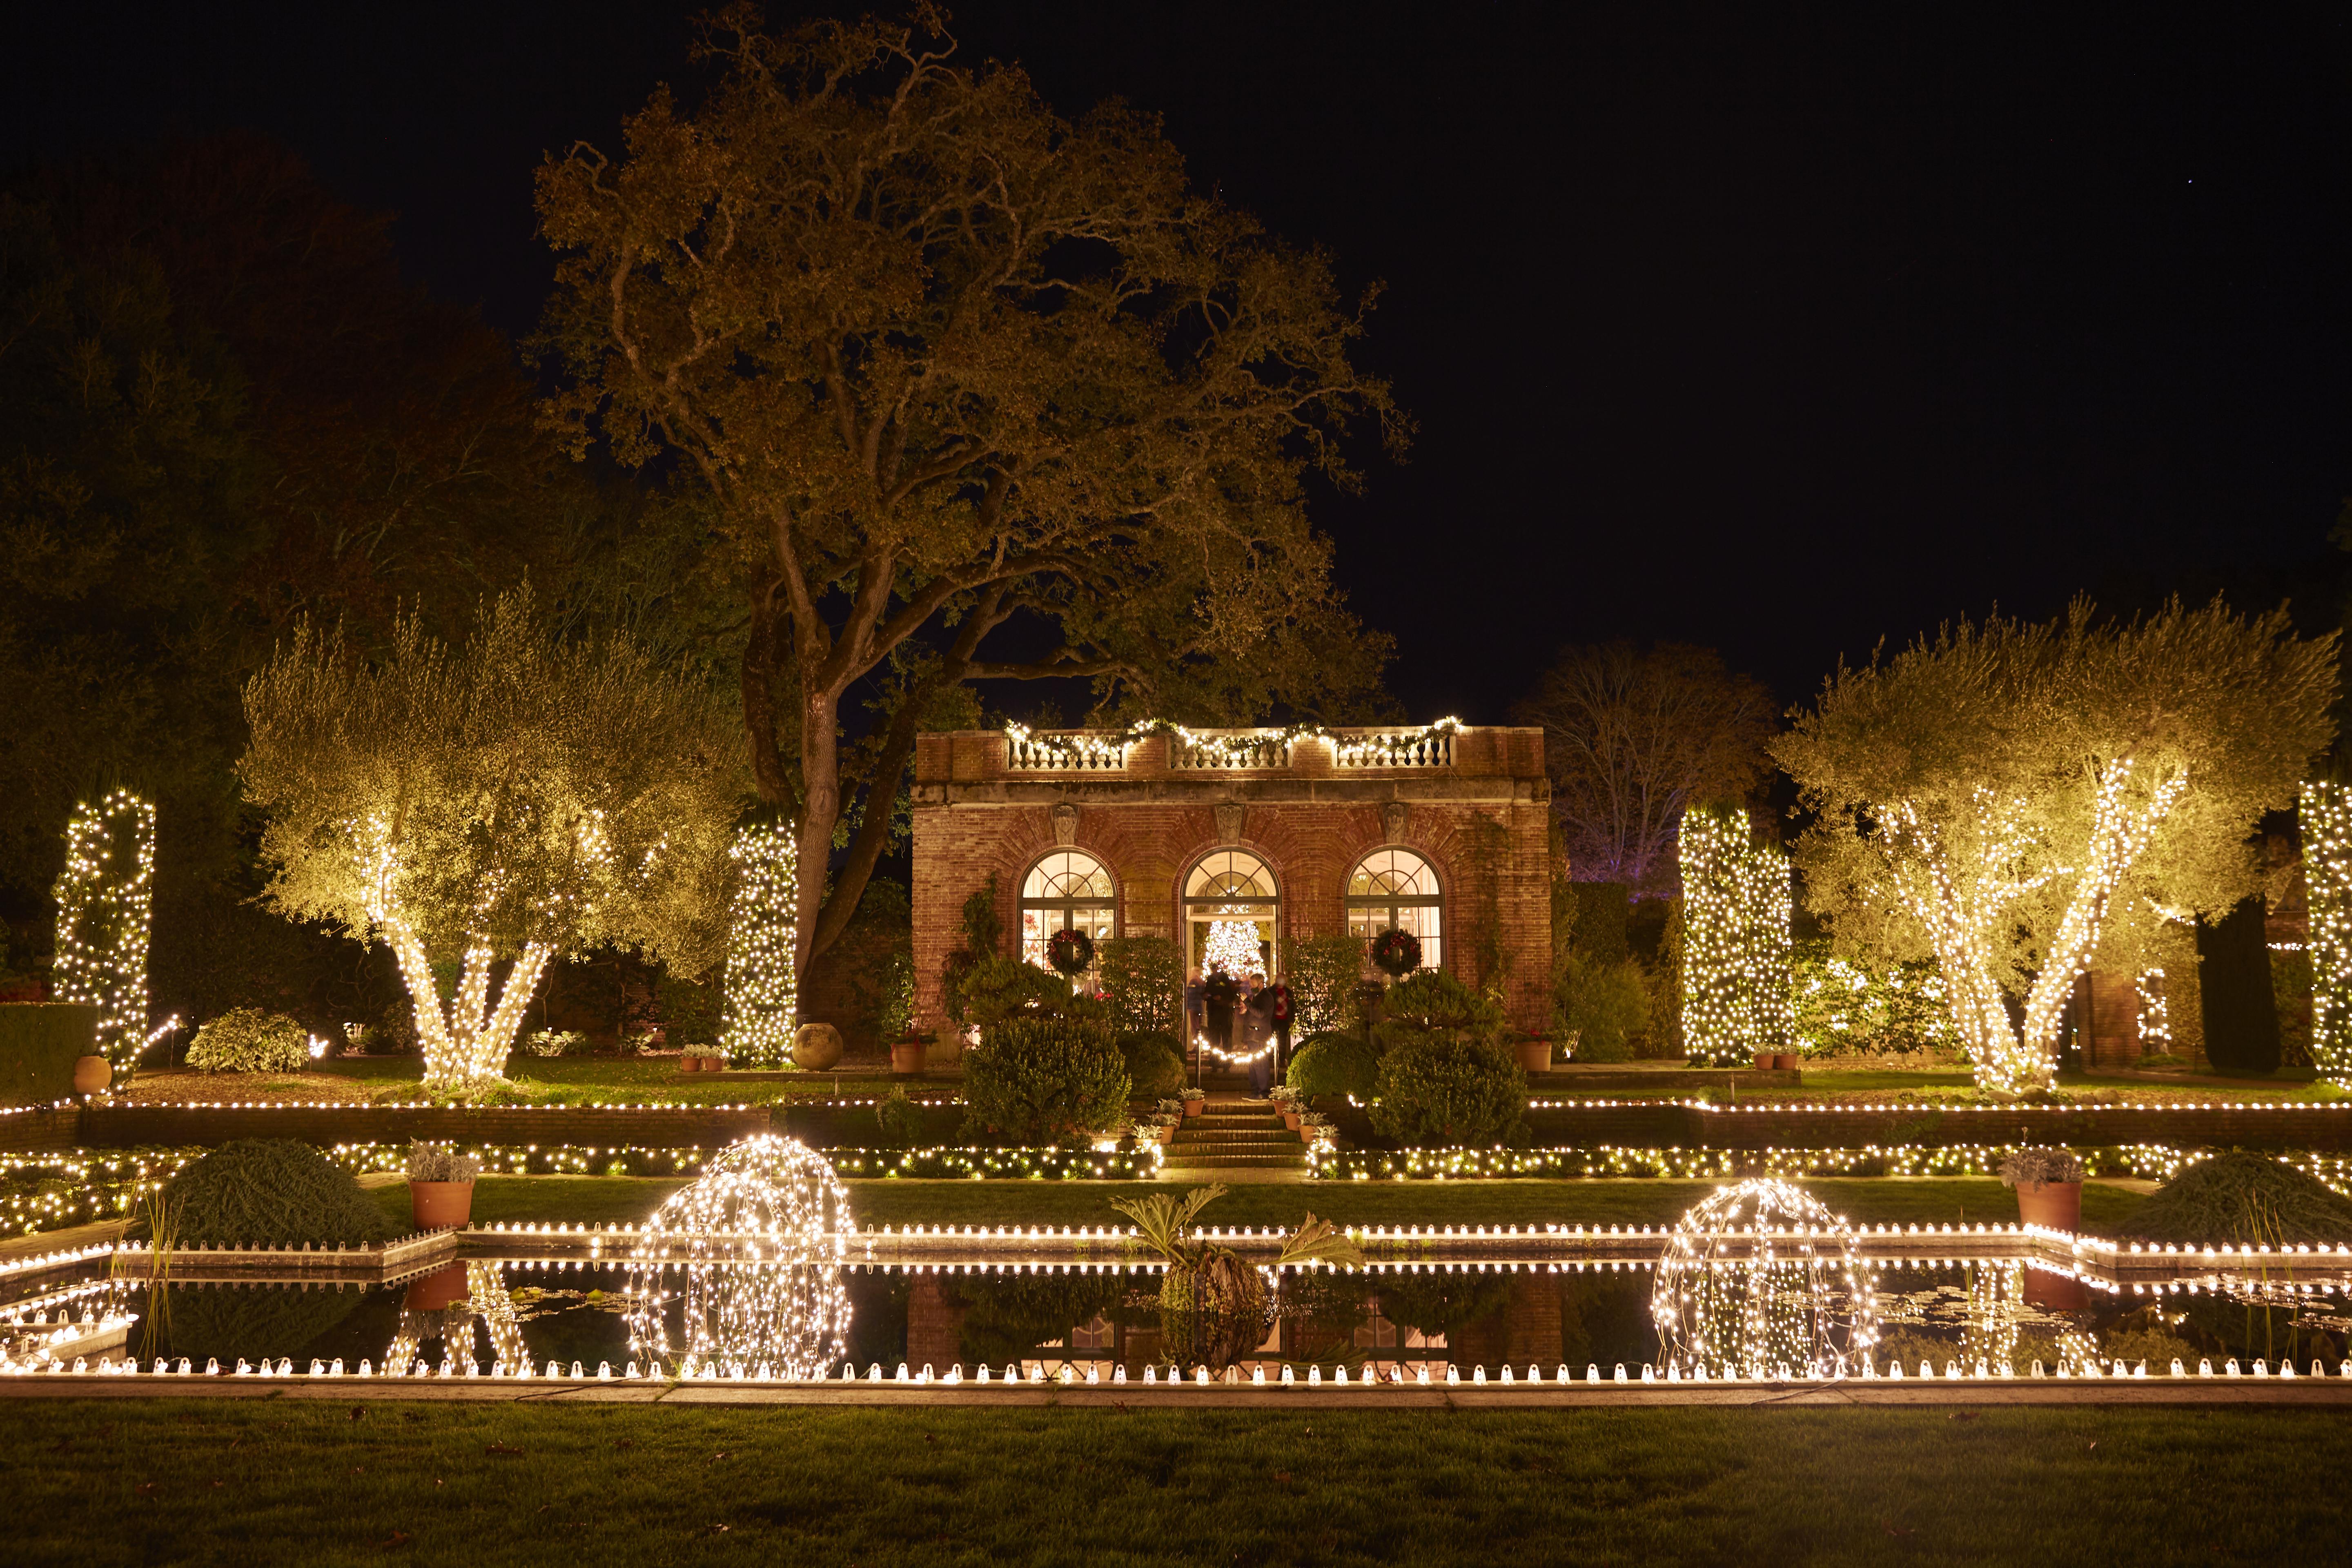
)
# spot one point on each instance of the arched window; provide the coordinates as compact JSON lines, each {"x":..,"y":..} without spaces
{"x":1396,"y":888}
{"x":1066,"y":890}
{"x":1227,"y":889}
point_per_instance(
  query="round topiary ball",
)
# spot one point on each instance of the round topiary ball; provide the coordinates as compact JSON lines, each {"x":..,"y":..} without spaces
{"x":270,"y":1191}
{"x":817,"y":1047}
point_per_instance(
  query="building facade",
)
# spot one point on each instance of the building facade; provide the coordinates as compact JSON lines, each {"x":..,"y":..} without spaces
{"x":1240,"y":840}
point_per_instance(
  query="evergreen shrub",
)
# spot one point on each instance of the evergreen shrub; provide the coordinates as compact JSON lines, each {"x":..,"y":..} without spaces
{"x":1448,"y":1088}
{"x":1143,"y":976}
{"x":1045,"y":1080}
{"x":39,"y":1042}
{"x":270,"y":1192}
{"x":1334,"y":1065}
{"x":2242,"y":1197}
{"x":1606,"y":1004}
{"x":247,"y":1039}
{"x":1155,"y":1064}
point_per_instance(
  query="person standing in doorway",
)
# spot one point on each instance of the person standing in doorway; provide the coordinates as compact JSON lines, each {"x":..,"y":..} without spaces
{"x":1220,"y":993}
{"x":1276,"y":997}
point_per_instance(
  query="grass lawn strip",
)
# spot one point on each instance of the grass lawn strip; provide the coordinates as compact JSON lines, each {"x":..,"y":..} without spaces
{"x":335,"y":1482}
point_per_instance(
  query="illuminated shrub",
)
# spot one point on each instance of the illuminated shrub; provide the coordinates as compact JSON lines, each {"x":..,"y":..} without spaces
{"x":247,"y":1039}
{"x":1045,"y":1080}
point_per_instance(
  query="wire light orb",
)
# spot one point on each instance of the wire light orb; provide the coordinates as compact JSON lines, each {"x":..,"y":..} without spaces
{"x":760,"y":1240}
{"x":1762,"y":1279}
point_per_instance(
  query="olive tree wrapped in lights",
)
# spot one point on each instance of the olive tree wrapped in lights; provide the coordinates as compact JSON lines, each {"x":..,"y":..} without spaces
{"x":506,"y":801}
{"x":105,"y":903}
{"x":2015,"y":799}
{"x":761,"y":1240}
{"x":1737,"y":987}
{"x":1762,"y":1279}
{"x":762,"y":997}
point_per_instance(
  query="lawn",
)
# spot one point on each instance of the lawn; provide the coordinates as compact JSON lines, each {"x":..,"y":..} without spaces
{"x":597,"y":1200}
{"x":324,"y":1483}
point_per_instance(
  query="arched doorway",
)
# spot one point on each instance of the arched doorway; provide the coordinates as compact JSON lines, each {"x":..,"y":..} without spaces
{"x":1396,"y":888}
{"x":1227,"y":891}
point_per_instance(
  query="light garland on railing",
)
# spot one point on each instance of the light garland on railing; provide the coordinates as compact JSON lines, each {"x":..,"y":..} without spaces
{"x":1082,"y":750}
{"x":2325,"y":812}
{"x":1738,"y":1001}
{"x":105,"y":913}
{"x":762,"y":992}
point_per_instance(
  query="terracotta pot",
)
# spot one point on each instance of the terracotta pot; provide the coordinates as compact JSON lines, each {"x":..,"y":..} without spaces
{"x":1787,"y":1063}
{"x":93,"y":1073}
{"x":906,"y":1059}
{"x":1764,"y":1063}
{"x":2057,"y":1205}
{"x":1290,"y":1119}
{"x":437,"y":1290}
{"x":1167,"y":1134}
{"x":1535,"y":1055}
{"x":689,"y":1064}
{"x":714,"y":1064}
{"x":817,"y":1048}
{"x":440,"y":1205}
{"x":1194,"y":1107}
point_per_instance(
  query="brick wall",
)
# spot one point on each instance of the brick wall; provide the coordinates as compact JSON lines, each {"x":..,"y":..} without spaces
{"x":1310,"y":821}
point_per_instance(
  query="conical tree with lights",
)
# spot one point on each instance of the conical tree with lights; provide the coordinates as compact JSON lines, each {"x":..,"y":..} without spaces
{"x":762,"y":993}
{"x":105,"y":904}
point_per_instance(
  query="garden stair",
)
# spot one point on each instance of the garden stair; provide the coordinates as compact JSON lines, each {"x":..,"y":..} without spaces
{"x":1236,"y":1134}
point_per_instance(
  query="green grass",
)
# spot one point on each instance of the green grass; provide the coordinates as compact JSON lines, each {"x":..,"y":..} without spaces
{"x":619,"y":1081}
{"x":327,"y":1483}
{"x":1944,"y":1200}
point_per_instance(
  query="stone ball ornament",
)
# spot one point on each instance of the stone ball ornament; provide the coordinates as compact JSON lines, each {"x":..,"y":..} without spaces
{"x":816,"y":1047}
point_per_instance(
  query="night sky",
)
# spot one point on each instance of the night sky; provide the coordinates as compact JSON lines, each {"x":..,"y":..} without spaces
{"x":1778,"y":333}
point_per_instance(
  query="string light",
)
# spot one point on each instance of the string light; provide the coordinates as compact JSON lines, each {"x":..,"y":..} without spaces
{"x":1232,"y":947}
{"x":2327,"y":821}
{"x":762,"y":996}
{"x":762,"y":1239}
{"x":1760,"y":1278}
{"x":1840,"y":1007}
{"x":1736,"y":989}
{"x":2155,"y":1017}
{"x":105,"y":913}
{"x":1080,"y":750}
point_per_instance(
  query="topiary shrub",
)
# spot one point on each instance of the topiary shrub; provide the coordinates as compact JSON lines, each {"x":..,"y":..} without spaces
{"x":1039,"y":1080}
{"x":247,"y":1039}
{"x":270,"y":1192}
{"x":39,"y":1042}
{"x":2242,"y":1197}
{"x":900,"y":1119}
{"x":1155,"y":1066}
{"x":1605,"y":1003}
{"x":1144,"y":978}
{"x":1432,"y":999}
{"x":1448,"y":1088}
{"x":1333,"y":1065}
{"x":998,"y":988}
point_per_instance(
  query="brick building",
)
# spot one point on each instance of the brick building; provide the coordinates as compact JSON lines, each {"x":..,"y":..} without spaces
{"x":1441,"y":832}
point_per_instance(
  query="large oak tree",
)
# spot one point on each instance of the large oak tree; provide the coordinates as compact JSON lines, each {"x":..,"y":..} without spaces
{"x":977,"y":393}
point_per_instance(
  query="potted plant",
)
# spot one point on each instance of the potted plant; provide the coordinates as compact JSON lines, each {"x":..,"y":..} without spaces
{"x":2049,"y":1184}
{"x":689,"y":1061}
{"x":440,"y":1186}
{"x":1535,"y":1052}
{"x":907,"y":1056}
{"x":1195,"y":1101}
{"x":1313,"y":1127}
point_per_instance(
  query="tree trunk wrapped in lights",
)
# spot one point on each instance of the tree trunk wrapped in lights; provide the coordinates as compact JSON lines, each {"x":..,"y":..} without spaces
{"x":105,"y":902}
{"x":1738,"y":1001}
{"x":504,"y":801}
{"x":2327,"y":813}
{"x":763,"y":996}
{"x":2018,"y":800}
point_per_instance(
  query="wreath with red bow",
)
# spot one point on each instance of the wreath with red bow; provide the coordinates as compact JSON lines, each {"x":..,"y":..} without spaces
{"x":1071,"y":952}
{"x":1397,"y":951}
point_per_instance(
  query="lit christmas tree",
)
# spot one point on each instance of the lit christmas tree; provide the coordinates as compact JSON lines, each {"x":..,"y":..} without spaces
{"x":104,"y":912}
{"x":1234,"y":948}
{"x":761,"y":991}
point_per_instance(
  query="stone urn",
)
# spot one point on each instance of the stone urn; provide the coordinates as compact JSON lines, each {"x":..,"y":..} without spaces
{"x":1535,"y":1055}
{"x":92,"y":1073}
{"x":2055,"y":1205}
{"x":906,"y":1059}
{"x":817,"y":1048}
{"x":440,"y":1205}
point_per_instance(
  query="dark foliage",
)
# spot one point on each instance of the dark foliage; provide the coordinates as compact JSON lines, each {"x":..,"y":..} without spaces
{"x":2242,"y":1197}
{"x":271,"y":1191}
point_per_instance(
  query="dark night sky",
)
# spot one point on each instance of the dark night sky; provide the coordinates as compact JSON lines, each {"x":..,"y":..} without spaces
{"x":1780,"y":332}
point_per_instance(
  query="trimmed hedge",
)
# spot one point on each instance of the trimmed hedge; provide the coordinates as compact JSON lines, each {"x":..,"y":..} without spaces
{"x":270,"y":1192}
{"x":1155,"y":1066}
{"x":1041,"y":1081}
{"x":1334,"y":1065}
{"x":1448,"y":1090}
{"x":39,"y":1042}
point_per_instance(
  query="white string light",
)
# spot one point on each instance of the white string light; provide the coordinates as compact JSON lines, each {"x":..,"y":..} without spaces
{"x":1232,"y":947}
{"x":1761,"y":1277}
{"x":105,"y":913}
{"x":2326,"y":820}
{"x":1737,"y":997}
{"x":762,"y":993}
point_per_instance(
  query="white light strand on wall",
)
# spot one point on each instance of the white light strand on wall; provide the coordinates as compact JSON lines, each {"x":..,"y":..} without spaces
{"x":1737,"y":997}
{"x":762,"y":993}
{"x":2327,"y":817}
{"x":105,"y":915}
{"x":1080,"y":749}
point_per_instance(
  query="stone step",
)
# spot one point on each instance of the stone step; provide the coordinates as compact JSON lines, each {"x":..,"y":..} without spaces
{"x":1240,"y":1146}
{"x":1233,"y":1162}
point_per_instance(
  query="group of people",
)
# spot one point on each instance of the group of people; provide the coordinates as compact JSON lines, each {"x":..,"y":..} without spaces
{"x":1246,"y":1016}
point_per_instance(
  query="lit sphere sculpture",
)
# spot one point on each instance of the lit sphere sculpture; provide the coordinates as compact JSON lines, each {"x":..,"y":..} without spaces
{"x":759,"y":1239}
{"x":1762,"y":1279}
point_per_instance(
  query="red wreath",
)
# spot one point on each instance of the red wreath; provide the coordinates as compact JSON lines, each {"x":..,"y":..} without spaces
{"x":1071,"y":952}
{"x":1397,"y":950}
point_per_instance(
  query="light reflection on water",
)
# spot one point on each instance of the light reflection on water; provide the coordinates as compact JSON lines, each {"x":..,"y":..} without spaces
{"x":1044,"y":1318}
